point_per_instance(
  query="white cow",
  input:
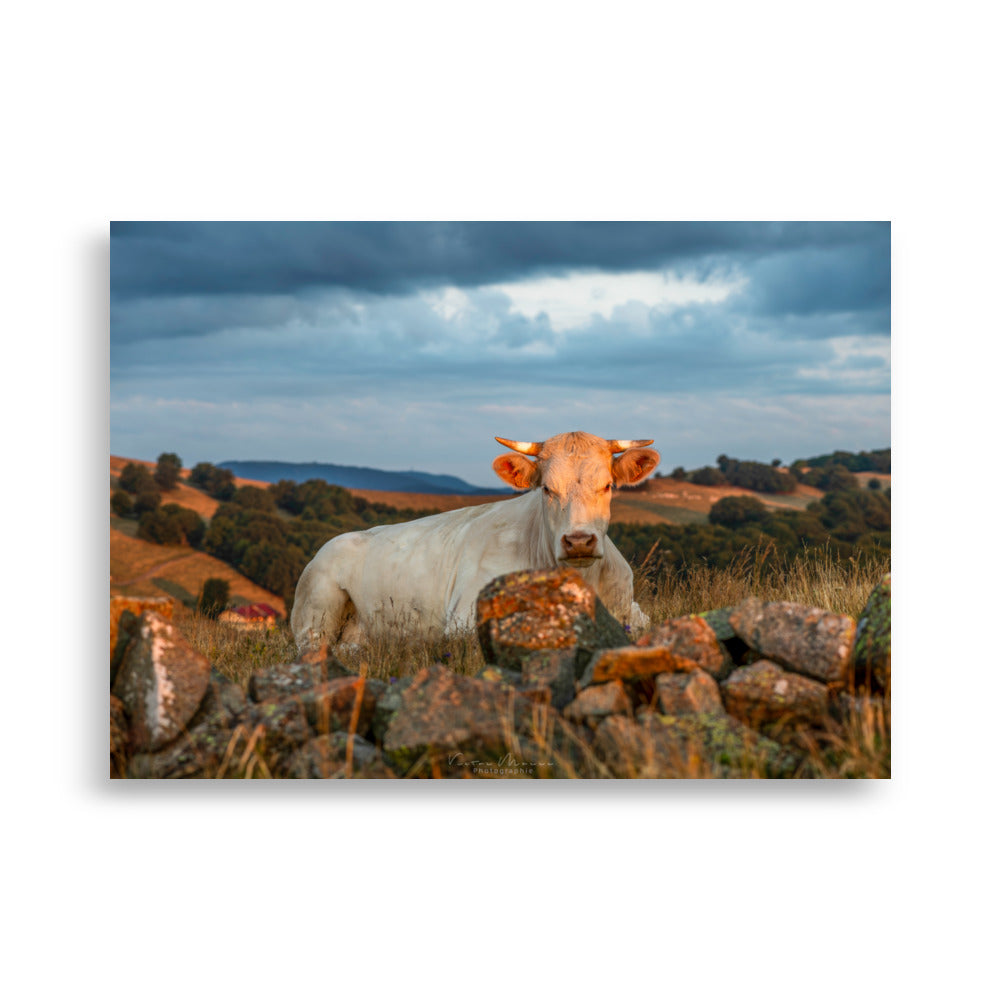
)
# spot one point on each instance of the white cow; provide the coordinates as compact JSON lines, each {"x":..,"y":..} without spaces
{"x":425,"y":575}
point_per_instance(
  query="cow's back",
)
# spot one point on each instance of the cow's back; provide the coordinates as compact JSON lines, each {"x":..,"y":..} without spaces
{"x":421,"y":575}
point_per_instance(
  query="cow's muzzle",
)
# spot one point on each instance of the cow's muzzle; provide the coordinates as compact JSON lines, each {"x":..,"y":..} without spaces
{"x":579,"y":549}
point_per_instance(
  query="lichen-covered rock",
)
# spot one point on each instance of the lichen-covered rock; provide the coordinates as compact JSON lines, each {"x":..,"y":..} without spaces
{"x":445,"y":719}
{"x":692,"y":638}
{"x":633,"y":663}
{"x":597,"y":702}
{"x":763,"y":693}
{"x":499,"y":675}
{"x":287,"y":679}
{"x":806,"y":640}
{"x":327,"y":757}
{"x":277,"y":729}
{"x":873,"y":646}
{"x":225,"y":694}
{"x":387,"y":705}
{"x":680,"y":694}
{"x":341,"y":703}
{"x":532,"y":689}
{"x":718,"y":620}
{"x":520,"y":613}
{"x":210,"y":746}
{"x":119,"y":738}
{"x":163,"y":606}
{"x":161,"y":683}
{"x":556,"y":670}
{"x":702,"y":745}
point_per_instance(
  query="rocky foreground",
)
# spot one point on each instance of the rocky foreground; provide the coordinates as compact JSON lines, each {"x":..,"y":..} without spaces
{"x":755,"y":690}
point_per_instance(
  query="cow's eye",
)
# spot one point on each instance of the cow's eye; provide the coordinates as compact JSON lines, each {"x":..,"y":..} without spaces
{"x":607,"y":489}
{"x":547,"y":491}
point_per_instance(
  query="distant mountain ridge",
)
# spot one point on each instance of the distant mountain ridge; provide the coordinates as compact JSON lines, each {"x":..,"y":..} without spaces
{"x":354,"y":477}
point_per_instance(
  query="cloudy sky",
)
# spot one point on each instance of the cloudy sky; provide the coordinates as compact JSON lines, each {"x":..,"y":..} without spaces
{"x":410,"y":345}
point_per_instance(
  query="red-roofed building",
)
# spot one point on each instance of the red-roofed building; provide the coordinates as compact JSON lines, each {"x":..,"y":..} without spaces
{"x":251,"y":616}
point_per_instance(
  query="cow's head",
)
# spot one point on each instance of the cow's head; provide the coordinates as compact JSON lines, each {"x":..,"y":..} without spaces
{"x":575,"y":473}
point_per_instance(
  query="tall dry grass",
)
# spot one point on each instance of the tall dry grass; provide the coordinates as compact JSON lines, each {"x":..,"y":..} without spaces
{"x":815,"y":577}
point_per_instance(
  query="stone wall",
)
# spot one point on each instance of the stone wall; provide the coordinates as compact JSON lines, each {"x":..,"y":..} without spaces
{"x":752,"y":690}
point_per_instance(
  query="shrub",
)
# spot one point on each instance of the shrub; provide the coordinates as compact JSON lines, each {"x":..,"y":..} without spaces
{"x":731,"y":511}
{"x":254,"y":498}
{"x":678,"y":473}
{"x":214,"y":597}
{"x":168,"y":471}
{"x":837,"y":478}
{"x":160,"y":527}
{"x":136,"y":479}
{"x":121,"y":503}
{"x":707,"y":476}
{"x":216,"y":482}
{"x":146,"y":501}
{"x":190,"y":521}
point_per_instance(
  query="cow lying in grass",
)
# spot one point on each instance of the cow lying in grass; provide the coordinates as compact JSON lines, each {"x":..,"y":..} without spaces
{"x":425,"y":575}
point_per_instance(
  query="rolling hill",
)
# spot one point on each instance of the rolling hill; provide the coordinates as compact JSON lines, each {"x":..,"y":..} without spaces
{"x":354,"y":477}
{"x":142,"y":569}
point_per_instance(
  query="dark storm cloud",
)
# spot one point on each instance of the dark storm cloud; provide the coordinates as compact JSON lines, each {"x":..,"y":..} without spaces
{"x":229,"y":339}
{"x":398,"y":340}
{"x":273,"y":258}
{"x":812,"y":280}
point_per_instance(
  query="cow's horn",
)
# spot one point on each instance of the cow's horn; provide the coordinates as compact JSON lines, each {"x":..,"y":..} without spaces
{"x":625,"y":445}
{"x":524,"y":447}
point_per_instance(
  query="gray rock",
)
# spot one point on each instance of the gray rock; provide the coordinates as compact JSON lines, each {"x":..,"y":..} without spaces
{"x":326,"y":757}
{"x":554,"y":668}
{"x":873,"y":646}
{"x":521,"y":613}
{"x":446,"y":723}
{"x":806,"y":640}
{"x":597,"y":702}
{"x":161,"y":683}
{"x":763,"y":693}
{"x":701,"y":745}
{"x":680,"y":694}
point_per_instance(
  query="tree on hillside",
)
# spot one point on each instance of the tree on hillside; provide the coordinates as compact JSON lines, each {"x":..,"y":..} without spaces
{"x":136,"y":479}
{"x":678,"y":473}
{"x":707,"y":476}
{"x":216,"y":482}
{"x":168,"y":470}
{"x":172,"y":524}
{"x":214,"y":597}
{"x":159,"y":527}
{"x":148,"y":500}
{"x":190,"y":521}
{"x":837,"y":478}
{"x":254,"y":498}
{"x":121,"y":503}
{"x":730,"y":511}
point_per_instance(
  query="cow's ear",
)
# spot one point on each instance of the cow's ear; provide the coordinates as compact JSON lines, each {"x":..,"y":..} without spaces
{"x":634,"y":465}
{"x":517,"y":470}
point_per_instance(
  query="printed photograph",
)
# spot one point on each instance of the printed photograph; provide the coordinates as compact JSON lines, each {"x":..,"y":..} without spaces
{"x":500,"y":500}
